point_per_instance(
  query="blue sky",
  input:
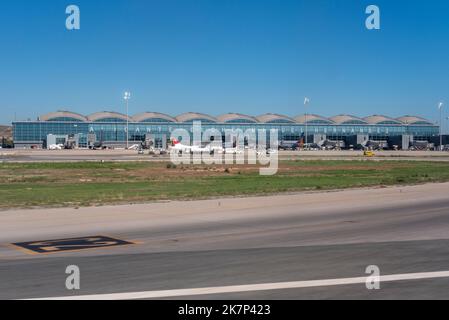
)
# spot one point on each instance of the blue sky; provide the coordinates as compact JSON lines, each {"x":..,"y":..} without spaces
{"x":217,"y":56}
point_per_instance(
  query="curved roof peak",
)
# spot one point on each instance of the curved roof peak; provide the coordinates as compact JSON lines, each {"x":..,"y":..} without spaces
{"x":377,"y":119}
{"x":191,"y":116}
{"x":312,"y":118}
{"x":152,"y":115}
{"x":106,"y":115}
{"x":274,"y":117}
{"x":414,"y":120}
{"x":62,"y":114}
{"x":228,"y":117}
{"x":347,"y":118}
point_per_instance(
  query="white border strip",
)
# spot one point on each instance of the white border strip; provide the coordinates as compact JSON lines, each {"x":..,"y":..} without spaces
{"x":250,"y":287}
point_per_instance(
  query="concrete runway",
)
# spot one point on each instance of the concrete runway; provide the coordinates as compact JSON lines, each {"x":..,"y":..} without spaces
{"x":240,"y":242}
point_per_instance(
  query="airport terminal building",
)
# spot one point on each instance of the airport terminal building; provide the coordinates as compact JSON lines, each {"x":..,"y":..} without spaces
{"x":109,"y":128}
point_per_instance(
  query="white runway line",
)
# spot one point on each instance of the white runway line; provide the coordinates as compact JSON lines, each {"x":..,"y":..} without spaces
{"x":250,"y":287}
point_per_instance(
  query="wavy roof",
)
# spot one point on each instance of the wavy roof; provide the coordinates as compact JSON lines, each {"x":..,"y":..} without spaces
{"x":236,"y":117}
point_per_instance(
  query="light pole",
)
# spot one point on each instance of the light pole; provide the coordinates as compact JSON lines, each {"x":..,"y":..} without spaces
{"x":440,"y":107}
{"x":447,"y":119}
{"x":306,"y":102}
{"x":127,"y":97}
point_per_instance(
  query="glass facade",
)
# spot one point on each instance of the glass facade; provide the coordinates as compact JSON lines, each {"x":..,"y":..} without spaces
{"x":114,"y":130}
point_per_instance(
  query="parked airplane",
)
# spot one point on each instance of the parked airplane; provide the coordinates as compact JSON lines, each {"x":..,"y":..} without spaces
{"x":332,"y":145}
{"x":289,"y":145}
{"x":420,"y":145}
{"x":55,"y":147}
{"x":134,"y":147}
{"x":180,"y":148}
{"x":373,"y":145}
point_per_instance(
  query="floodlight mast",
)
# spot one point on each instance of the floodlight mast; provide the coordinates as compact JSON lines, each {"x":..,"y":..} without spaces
{"x":440,"y":107}
{"x":306,"y":102}
{"x":447,"y":119}
{"x":127,"y":97}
